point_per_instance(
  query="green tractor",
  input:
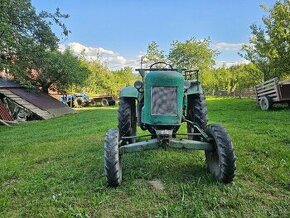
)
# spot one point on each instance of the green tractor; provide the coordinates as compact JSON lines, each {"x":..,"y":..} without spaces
{"x":159,"y":103}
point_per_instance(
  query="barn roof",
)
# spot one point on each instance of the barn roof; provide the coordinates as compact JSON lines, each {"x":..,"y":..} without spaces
{"x":42,"y":101}
{"x":37,"y":102}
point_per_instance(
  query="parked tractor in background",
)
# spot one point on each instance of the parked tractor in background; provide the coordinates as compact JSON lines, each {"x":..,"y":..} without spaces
{"x":159,"y":103}
{"x":75,"y":100}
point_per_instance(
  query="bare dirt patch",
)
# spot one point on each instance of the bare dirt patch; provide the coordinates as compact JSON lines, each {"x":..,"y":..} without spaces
{"x":156,"y":184}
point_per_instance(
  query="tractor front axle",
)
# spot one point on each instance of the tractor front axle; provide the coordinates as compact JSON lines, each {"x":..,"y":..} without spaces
{"x":172,"y":143}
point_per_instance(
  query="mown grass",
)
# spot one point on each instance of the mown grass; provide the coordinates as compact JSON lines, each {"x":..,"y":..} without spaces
{"x":54,"y":168}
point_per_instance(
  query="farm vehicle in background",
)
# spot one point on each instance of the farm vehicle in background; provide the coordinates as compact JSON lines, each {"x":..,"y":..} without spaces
{"x":159,"y":103}
{"x":82,"y":100}
{"x":104,"y":101}
{"x":271,"y":92}
{"x":75,"y":100}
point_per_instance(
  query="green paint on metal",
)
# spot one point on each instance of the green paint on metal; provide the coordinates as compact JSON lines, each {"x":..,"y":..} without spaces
{"x":191,"y":87}
{"x":194,"y":87}
{"x":190,"y":144}
{"x":129,"y":91}
{"x":162,"y":79}
{"x":140,"y":146}
{"x":173,"y":143}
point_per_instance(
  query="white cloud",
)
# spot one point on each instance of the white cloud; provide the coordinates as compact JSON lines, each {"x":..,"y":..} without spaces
{"x":113,"y":59}
{"x":224,"y":46}
{"x":231,"y":63}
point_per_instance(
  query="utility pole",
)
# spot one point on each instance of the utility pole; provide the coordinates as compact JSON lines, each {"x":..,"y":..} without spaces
{"x":142,"y":60}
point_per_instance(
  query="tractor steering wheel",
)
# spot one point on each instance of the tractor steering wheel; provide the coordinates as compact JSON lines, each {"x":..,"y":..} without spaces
{"x":161,"y":62}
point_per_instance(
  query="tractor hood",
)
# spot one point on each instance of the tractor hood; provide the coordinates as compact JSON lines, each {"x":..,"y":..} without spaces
{"x":163,"y":98}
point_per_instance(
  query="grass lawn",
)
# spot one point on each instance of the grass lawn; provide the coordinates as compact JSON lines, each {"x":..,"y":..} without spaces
{"x":55,"y":168}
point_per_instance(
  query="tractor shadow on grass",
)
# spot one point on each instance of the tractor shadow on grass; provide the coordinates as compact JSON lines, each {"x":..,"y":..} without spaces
{"x":189,"y":173}
{"x":173,"y":170}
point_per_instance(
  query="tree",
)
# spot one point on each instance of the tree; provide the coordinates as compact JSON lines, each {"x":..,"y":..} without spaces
{"x":231,"y":81}
{"x":58,"y":70}
{"x":122,"y":78}
{"x":153,"y":54}
{"x":269,"y":47}
{"x":246,"y":75}
{"x":102,"y":81}
{"x":192,"y":53}
{"x":21,"y":26}
{"x":99,"y":79}
{"x":26,"y":37}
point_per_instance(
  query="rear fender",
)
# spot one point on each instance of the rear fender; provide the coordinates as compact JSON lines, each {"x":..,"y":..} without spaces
{"x":192,"y":87}
{"x":129,"y":91}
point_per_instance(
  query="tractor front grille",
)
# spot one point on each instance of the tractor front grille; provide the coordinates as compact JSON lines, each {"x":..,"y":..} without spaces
{"x":164,"y":100}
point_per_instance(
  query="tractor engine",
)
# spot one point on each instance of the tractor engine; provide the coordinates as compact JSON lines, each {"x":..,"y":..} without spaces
{"x":163,"y":99}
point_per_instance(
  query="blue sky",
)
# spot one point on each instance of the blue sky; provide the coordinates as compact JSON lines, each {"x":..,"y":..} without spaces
{"x":121,"y":30}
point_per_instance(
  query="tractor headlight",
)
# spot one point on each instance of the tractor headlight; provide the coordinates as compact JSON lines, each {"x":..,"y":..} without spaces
{"x":138,"y":85}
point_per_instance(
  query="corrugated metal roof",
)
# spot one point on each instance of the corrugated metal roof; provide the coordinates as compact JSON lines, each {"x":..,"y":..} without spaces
{"x":43,"y":101}
{"x":34,"y":98}
{"x":36,"y":110}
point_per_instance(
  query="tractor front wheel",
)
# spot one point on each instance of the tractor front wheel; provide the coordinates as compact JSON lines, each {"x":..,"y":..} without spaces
{"x":221,"y":161}
{"x":113,"y":167}
{"x":127,"y":119}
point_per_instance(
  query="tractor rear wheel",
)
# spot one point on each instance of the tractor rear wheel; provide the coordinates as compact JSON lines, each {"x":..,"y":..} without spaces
{"x":78,"y":102}
{"x":127,"y":119}
{"x":196,"y":112}
{"x":112,"y":159}
{"x":221,"y":161}
{"x":266,"y":103}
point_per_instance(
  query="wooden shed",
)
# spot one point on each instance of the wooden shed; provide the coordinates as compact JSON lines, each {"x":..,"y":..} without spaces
{"x":24,"y":103}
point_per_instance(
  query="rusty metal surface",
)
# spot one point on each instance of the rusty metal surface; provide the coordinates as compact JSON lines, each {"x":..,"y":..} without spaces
{"x":285,"y":91}
{"x":4,"y":113}
{"x":42,"y":101}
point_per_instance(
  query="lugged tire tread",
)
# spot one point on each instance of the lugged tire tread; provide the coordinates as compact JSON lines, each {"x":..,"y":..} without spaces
{"x":112,"y":166}
{"x":197,"y":112}
{"x":125,"y":113}
{"x":225,"y":151}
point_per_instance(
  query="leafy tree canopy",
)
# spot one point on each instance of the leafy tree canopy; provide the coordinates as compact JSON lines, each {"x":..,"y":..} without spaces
{"x":23,"y":31}
{"x":232,"y":80}
{"x":192,"y":53}
{"x":59,"y":70}
{"x":153,"y":54}
{"x":28,"y":47}
{"x":102,"y":81}
{"x":269,"y":47}
{"x":189,"y":54}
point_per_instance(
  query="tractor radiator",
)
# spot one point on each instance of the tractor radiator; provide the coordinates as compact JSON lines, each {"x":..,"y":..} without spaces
{"x":164,"y":100}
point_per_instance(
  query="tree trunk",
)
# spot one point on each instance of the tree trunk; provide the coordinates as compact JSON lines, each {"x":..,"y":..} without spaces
{"x":45,"y":88}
